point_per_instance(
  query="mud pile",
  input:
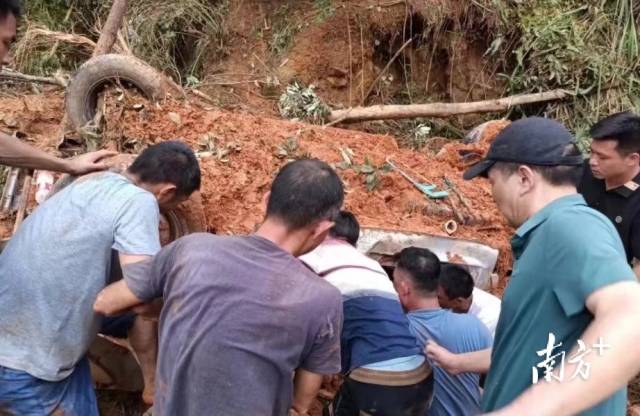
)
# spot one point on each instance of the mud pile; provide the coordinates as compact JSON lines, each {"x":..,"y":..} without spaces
{"x":241,"y":153}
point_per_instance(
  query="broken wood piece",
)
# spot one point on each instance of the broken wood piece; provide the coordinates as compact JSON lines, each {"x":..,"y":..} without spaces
{"x":434,"y":209}
{"x":18,"y":76}
{"x":454,"y":189}
{"x":386,"y":112}
{"x":456,"y":212}
{"x":111,"y":27}
{"x":9,"y":189}
{"x":24,"y":200}
{"x":202,"y":95}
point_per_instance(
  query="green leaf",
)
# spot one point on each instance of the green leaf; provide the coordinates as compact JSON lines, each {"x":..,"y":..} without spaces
{"x":368,"y":169}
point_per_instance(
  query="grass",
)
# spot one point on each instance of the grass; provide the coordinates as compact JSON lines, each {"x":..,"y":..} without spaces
{"x":177,"y":36}
{"x":284,"y":28}
{"x":324,"y":9}
{"x":590,"y":48}
{"x":40,"y":54}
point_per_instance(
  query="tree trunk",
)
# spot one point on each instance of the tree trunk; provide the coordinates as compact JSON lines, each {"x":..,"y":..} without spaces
{"x":110,"y":29}
{"x":386,"y":112}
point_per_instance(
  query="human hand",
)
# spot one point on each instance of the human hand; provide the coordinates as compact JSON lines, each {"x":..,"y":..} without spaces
{"x":441,"y":357}
{"x":294,"y":412}
{"x":150,"y":311}
{"x":88,"y":162}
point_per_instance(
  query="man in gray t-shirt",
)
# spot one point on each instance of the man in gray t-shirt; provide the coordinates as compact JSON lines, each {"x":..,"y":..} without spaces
{"x":57,"y":263}
{"x":242,"y":315}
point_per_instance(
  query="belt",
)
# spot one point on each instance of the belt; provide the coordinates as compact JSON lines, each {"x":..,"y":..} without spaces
{"x":392,"y":378}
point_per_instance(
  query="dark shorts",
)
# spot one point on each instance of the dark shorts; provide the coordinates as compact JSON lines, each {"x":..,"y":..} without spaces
{"x":23,"y":394}
{"x":117,"y":326}
{"x":357,"y":397}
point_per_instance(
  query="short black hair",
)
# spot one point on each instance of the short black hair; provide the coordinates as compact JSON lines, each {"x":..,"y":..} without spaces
{"x":10,"y":7}
{"x":170,"y":162}
{"x":346,"y":227}
{"x":305,"y":191}
{"x":456,"y":281}
{"x":556,"y":175}
{"x":422,"y":265}
{"x":622,"y":127}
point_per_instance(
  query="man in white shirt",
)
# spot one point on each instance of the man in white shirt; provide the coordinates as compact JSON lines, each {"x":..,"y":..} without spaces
{"x":456,"y":291}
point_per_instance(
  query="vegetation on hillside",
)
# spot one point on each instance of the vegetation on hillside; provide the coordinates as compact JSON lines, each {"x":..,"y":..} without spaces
{"x":590,"y":48}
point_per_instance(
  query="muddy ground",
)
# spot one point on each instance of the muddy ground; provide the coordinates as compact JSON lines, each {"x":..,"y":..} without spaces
{"x":241,"y":153}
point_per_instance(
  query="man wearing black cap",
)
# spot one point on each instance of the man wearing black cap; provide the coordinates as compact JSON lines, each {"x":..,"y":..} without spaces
{"x":611,"y":182}
{"x":568,"y":334}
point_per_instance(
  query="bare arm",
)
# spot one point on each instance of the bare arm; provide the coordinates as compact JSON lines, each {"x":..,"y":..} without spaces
{"x":636,"y":269}
{"x":470,"y":362}
{"x":616,"y":310}
{"x":305,"y":388}
{"x":117,"y":297}
{"x":14,"y":152}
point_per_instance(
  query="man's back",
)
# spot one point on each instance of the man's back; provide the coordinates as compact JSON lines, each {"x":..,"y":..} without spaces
{"x":486,"y":307}
{"x":375,"y":327}
{"x":58,"y":261}
{"x":240,"y":315}
{"x":458,"y":333}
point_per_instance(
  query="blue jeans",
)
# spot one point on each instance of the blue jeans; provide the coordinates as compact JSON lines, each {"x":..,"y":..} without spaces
{"x":24,"y":395}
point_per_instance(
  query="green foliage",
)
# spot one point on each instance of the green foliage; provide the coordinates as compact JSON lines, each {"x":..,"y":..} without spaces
{"x":324,"y":9}
{"x":41,"y":53}
{"x":302,"y":103}
{"x":283,"y":30}
{"x":177,"y":37}
{"x":290,"y":149}
{"x":368,"y":170}
{"x":52,"y":13}
{"x":590,"y":48}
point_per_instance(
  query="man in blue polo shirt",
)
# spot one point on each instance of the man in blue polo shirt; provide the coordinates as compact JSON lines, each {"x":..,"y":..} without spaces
{"x":416,"y":280}
{"x":568,"y":334}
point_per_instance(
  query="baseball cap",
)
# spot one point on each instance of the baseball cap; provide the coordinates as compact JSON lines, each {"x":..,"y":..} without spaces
{"x":531,"y":141}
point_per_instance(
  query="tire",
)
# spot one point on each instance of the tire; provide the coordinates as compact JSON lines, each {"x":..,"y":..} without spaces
{"x":82,"y":93}
{"x":186,"y":218}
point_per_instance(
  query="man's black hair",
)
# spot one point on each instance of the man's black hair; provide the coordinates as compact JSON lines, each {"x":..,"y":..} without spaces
{"x":423,"y":266}
{"x":169,"y":162}
{"x":622,"y":127}
{"x":555,"y":175}
{"x":10,"y":7}
{"x":305,"y":191}
{"x":456,"y":281}
{"x":346,"y":227}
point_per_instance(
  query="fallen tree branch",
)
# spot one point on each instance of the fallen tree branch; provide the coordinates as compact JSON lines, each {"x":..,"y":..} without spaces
{"x":18,"y":76}
{"x":24,"y":200}
{"x":202,"y":95}
{"x":386,"y":112}
{"x":111,"y":27}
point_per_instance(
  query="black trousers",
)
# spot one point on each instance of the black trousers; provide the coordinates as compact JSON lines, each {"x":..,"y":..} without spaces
{"x":357,"y":399}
